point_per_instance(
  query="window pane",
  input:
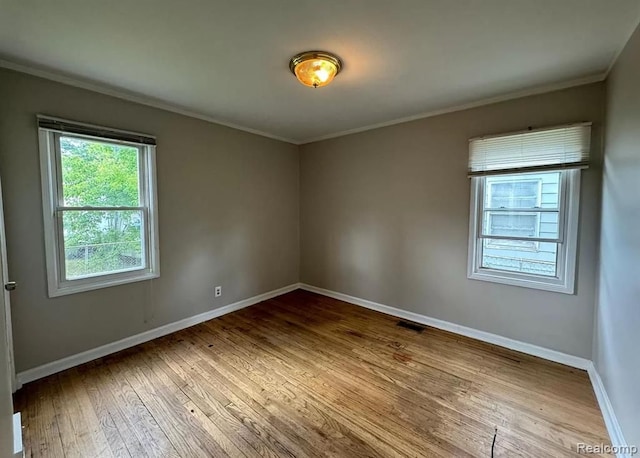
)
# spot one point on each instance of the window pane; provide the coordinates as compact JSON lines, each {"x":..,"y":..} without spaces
{"x":101,"y":242}
{"x":98,"y":173}
{"x":523,"y":190}
{"x":541,"y":260}
{"x":512,"y":224}
{"x":525,"y":225}
{"x":512,"y":194}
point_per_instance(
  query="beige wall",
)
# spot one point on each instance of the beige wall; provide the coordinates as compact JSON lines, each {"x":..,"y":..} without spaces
{"x":617,"y":330}
{"x":385,"y":213}
{"x":228,"y":215}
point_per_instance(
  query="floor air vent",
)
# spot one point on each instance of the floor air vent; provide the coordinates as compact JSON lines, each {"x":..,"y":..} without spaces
{"x":409,"y":325}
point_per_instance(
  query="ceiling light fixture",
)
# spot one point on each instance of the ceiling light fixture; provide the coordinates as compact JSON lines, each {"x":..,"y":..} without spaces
{"x":315,"y":68}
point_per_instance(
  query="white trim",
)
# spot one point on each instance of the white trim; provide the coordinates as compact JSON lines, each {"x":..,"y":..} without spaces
{"x":5,"y":300}
{"x":105,"y":89}
{"x":153,"y":237}
{"x":569,"y":206}
{"x":478,"y":103}
{"x":104,"y":350}
{"x":610,"y":419}
{"x":18,"y":451}
{"x":611,"y":422}
{"x":102,"y":281}
{"x":152,"y":102}
{"x":499,"y":179}
{"x":53,"y":204}
{"x":523,"y":347}
{"x":47,"y":174}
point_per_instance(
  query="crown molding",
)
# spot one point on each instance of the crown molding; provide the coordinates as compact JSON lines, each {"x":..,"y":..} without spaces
{"x":155,"y":103}
{"x":82,"y":83}
{"x":478,"y":103}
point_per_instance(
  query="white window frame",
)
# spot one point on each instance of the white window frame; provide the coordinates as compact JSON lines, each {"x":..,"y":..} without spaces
{"x":53,"y":206}
{"x":564,"y":281}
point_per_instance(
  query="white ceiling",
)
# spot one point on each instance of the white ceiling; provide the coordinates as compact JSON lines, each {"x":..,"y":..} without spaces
{"x":228,"y":60}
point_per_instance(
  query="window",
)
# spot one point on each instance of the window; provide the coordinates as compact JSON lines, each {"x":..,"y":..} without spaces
{"x":99,"y":204}
{"x":524,"y":207}
{"x":513,"y":233}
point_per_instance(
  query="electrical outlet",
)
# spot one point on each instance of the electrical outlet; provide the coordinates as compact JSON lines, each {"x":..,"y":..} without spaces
{"x":218,"y":291}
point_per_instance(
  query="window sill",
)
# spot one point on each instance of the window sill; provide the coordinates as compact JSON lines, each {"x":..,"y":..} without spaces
{"x":73,"y":288}
{"x":525,"y":281}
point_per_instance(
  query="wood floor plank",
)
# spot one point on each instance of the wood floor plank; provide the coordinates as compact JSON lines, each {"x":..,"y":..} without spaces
{"x":205,"y":393}
{"x":151,"y":436}
{"x":43,"y":420}
{"x":101,"y":390}
{"x":264,"y":385}
{"x":90,"y":426}
{"x":70,"y":424}
{"x":532,"y":405}
{"x":303,"y":375}
{"x":182,"y":429}
{"x":387,"y":431}
{"x":243,"y":396}
{"x":332,"y":440}
{"x":213,"y":406}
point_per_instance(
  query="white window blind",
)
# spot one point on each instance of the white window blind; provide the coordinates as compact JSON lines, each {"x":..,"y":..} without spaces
{"x":550,"y":148}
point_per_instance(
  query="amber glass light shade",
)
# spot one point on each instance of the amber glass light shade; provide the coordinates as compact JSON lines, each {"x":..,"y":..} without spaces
{"x":316,"y":72}
{"x":315,"y":68}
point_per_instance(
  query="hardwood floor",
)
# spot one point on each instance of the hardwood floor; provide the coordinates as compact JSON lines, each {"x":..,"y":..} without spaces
{"x":306,"y":375}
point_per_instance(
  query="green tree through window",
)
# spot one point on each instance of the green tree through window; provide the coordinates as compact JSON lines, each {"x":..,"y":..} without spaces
{"x":98,"y":174}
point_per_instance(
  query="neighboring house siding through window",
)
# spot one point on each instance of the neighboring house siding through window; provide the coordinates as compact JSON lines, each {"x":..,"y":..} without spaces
{"x":540,"y":190}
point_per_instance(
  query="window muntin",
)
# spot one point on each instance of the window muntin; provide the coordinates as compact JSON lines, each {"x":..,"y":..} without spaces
{"x":513,"y":258}
{"x":520,"y":230}
{"x":101,"y":216}
{"x":512,"y":225}
{"x":511,"y":192}
{"x":100,"y":211}
{"x":515,"y":224}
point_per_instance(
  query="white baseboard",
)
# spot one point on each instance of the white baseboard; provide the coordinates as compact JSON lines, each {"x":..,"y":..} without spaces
{"x":89,"y":355}
{"x":530,"y":349}
{"x":611,"y":422}
{"x":610,"y":419}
